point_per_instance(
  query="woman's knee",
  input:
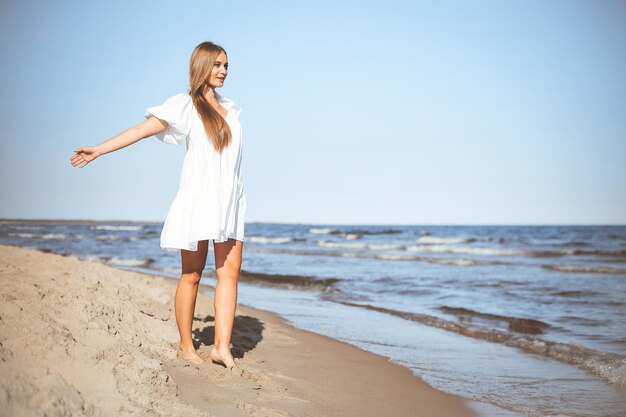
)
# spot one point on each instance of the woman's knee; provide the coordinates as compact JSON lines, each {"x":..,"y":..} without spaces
{"x":192,"y":277}
{"x":225,"y":273}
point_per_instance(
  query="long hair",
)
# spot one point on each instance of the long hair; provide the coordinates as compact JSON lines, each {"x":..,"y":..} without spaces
{"x":200,"y":66}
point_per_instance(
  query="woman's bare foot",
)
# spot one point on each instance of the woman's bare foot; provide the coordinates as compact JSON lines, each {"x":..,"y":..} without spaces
{"x":223,"y":357}
{"x":189,"y":354}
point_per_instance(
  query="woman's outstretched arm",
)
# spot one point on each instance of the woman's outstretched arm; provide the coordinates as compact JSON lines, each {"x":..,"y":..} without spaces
{"x":86,"y":154}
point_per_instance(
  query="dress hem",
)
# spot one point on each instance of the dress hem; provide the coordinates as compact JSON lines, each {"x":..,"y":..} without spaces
{"x":176,"y":249}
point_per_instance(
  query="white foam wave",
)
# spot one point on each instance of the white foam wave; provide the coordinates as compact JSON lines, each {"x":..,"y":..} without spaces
{"x":345,"y":245}
{"x":464,"y":249}
{"x":116,"y":227}
{"x":38,"y":235}
{"x":395,"y":257}
{"x":433,"y":240}
{"x":318,"y":231}
{"x":383,"y":246}
{"x":23,"y":235}
{"x":92,"y":258}
{"x":130,"y":261}
{"x":585,"y":269}
{"x":21,"y":227}
{"x":607,"y":365}
{"x":460,"y":262}
{"x":269,"y":240}
{"x":456,"y":262}
{"x":108,"y":237}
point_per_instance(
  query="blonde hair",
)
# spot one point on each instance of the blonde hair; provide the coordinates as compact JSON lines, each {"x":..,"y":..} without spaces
{"x":200,"y":66}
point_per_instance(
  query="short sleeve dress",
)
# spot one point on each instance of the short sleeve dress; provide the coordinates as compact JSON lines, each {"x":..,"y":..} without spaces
{"x":210,"y":203}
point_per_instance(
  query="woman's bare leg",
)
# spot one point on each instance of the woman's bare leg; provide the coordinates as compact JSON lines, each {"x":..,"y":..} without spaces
{"x":227,"y":267}
{"x":185,"y":301}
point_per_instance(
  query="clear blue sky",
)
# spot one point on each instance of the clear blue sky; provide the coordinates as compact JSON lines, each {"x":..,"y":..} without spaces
{"x":354,"y":112}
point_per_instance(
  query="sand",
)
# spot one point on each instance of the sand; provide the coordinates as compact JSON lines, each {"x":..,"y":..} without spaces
{"x":82,"y":338}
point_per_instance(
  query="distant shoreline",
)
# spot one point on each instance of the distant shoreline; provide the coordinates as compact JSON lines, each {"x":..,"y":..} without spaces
{"x":52,"y":221}
{"x":66,"y":221}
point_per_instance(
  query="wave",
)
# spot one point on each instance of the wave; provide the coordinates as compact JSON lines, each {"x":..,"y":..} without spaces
{"x":109,"y":237}
{"x":515,"y":324}
{"x":38,"y":235}
{"x":439,"y":261}
{"x":20,"y":227}
{"x":360,"y":245}
{"x":120,"y":237}
{"x":575,"y":293}
{"x":386,"y":246}
{"x":377,"y":232}
{"x":346,"y":245}
{"x":352,"y":232}
{"x":447,"y":248}
{"x":144,"y":262}
{"x":116,"y":227}
{"x":464,"y":249}
{"x":434,"y":240}
{"x":610,"y":366}
{"x":318,"y":231}
{"x":575,"y":243}
{"x":585,"y":269}
{"x":495,"y":283}
{"x":598,"y":252}
{"x":290,"y":281}
{"x":381,"y":256}
{"x":270,"y":240}
{"x":620,"y":253}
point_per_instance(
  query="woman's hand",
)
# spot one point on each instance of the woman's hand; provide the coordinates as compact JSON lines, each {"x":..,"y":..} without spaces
{"x":84,"y":155}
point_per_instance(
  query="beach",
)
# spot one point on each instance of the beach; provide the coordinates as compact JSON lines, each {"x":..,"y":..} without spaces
{"x":493,"y":315}
{"x":82,"y":338}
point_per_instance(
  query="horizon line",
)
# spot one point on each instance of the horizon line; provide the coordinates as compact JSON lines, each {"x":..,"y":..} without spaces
{"x":65,"y":220}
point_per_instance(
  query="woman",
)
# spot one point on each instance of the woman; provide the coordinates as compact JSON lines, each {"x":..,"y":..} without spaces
{"x":210,"y":203}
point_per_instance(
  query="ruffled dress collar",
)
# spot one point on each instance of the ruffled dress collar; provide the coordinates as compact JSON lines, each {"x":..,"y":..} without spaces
{"x":228,"y":104}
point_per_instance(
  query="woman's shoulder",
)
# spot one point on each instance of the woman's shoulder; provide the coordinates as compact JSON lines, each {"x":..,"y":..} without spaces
{"x":180,"y":101}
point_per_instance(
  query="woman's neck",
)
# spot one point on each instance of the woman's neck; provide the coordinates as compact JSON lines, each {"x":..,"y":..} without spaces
{"x":211,"y":95}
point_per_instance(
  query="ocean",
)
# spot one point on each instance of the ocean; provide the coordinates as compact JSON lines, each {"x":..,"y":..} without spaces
{"x":528,"y":320}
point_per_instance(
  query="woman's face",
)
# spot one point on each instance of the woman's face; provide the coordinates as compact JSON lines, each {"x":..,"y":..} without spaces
{"x":220,"y":70}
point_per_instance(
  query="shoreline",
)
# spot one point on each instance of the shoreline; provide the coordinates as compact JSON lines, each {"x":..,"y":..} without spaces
{"x":119,"y":326}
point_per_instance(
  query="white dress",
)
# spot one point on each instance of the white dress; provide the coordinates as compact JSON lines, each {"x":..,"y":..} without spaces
{"x":210,"y":203}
